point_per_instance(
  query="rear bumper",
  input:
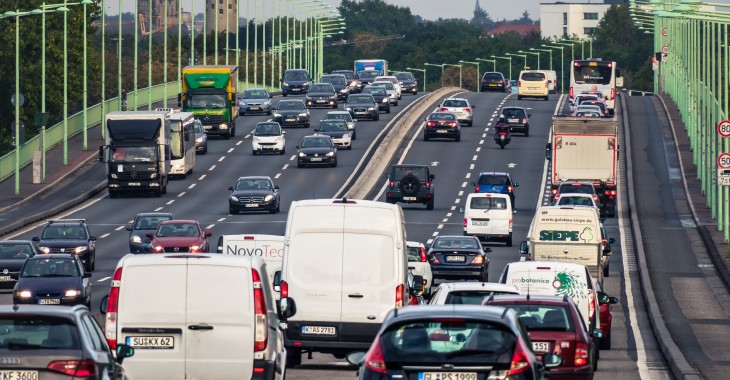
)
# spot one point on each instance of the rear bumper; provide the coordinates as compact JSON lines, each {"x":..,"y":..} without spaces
{"x":263,"y":370}
{"x":350,"y":336}
{"x":457,"y":272}
{"x":568,"y":373}
{"x":448,"y":132}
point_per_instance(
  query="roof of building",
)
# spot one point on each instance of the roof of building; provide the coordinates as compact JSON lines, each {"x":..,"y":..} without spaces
{"x":521,"y":29}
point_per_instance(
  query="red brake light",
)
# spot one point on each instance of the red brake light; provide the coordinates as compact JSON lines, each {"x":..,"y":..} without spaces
{"x":554,"y":191}
{"x":261,"y":334}
{"x":581,"y":354}
{"x":443,"y":109}
{"x":452,"y":124}
{"x":519,"y":83}
{"x":509,"y":188}
{"x":428,"y":185}
{"x":284,"y":289}
{"x":374,"y":359}
{"x":110,"y":327}
{"x":435,"y":260}
{"x":520,"y":360}
{"x":399,"y":295}
{"x":465,"y":222}
{"x":75,"y":368}
{"x":591,"y":305}
{"x":571,"y":92}
{"x":467,"y":109}
{"x":595,"y":197}
{"x":392,"y":183}
{"x":501,"y":81}
{"x":478,"y":260}
{"x":510,"y":224}
{"x":423,"y":255}
{"x":431,"y":124}
{"x":524,"y":121}
{"x":546,"y":84}
{"x":613,"y":93}
{"x":476,"y":188}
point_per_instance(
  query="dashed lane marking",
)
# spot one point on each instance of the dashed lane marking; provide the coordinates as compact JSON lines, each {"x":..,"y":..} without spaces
{"x":448,"y":215}
{"x":230,"y":150}
{"x":201,"y":177}
{"x":221,"y":219}
{"x":471,"y":167}
{"x":171,"y":201}
{"x":445,"y":220}
{"x":474,"y":158}
{"x":484,"y":135}
{"x":247,"y":136}
{"x":453,"y":208}
{"x":119,"y":228}
{"x":440,"y":226}
{"x":429,"y":241}
{"x":103,"y":279}
{"x":277,"y":175}
{"x":181,"y":194}
{"x":463,"y":184}
{"x":482,"y":141}
{"x":461,"y":193}
{"x":158,"y":209}
{"x":105,"y":235}
{"x":191,"y":186}
{"x":221,"y":159}
{"x":211,"y":168}
{"x":479,"y":149}
{"x":209,"y":226}
{"x":468,"y":175}
{"x":292,"y":158}
{"x":284,"y":167}
{"x":239,"y":143}
{"x":435,"y":234}
{"x":457,"y":201}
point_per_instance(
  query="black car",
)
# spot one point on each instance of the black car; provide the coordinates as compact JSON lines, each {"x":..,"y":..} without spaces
{"x":442,"y":125}
{"x":62,"y":342}
{"x":143,"y":223}
{"x":367,"y":76}
{"x":408,"y":82}
{"x":321,"y":95}
{"x":13,"y":254}
{"x":362,"y":106}
{"x":338,"y":131}
{"x":380,"y":94}
{"x":291,"y":112}
{"x":53,"y":279}
{"x":254,"y":194}
{"x":495,"y":81}
{"x":458,"y":257}
{"x":295,"y":81}
{"x":410,"y":184}
{"x":68,"y":236}
{"x":339,"y":82}
{"x":518,"y":119}
{"x":352,"y":83}
{"x":317,"y":150}
{"x":452,"y":342}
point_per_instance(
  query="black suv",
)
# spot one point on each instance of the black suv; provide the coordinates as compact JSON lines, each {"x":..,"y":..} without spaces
{"x":68,"y":236}
{"x":410,"y":184}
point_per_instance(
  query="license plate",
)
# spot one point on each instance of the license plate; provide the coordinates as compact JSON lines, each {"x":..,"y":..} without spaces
{"x":316,"y":159}
{"x":360,"y":113}
{"x":207,"y":126}
{"x":540,"y":346}
{"x":455,"y":258}
{"x":480,"y":223}
{"x":18,"y":375}
{"x":254,"y":108}
{"x":447,"y":376}
{"x":319,"y":330}
{"x":151,"y":342}
{"x":5,"y":278}
{"x":291,"y":119}
{"x":513,"y":120}
{"x":533,"y":88}
{"x":135,"y":184}
{"x":321,"y":101}
{"x":49,"y":301}
{"x":252,"y":205}
{"x":296,"y":89}
{"x":492,"y":85}
{"x":409,"y":198}
{"x":442,"y":131}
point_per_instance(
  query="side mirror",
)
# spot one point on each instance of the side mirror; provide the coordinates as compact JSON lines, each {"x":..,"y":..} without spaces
{"x":611,"y":241}
{"x":551,"y":360}
{"x":208,"y":234}
{"x":473,"y":183}
{"x":36,"y":239}
{"x":355,"y":358}
{"x":523,"y":247}
{"x":87,"y":274}
{"x":461,"y":210}
{"x":103,"y":305}
{"x":432,"y":177}
{"x":602,"y":298}
{"x":277,"y":281}
{"x":597,"y":333}
{"x":128,"y":228}
{"x":283,"y":132}
{"x":150,"y":235}
{"x":93,"y":238}
{"x":230,"y":188}
{"x":124,"y":351}
{"x":548,"y":151}
{"x":287,"y":308}
{"x":417,"y":288}
{"x":276,"y":187}
{"x":529,"y":115}
{"x":516,"y":184}
{"x":613,"y":300}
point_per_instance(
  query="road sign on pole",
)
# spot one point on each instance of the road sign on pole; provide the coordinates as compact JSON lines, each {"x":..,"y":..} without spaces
{"x":665,"y":49}
{"x":664,"y":32}
{"x":723,"y":169}
{"x":723,"y":128}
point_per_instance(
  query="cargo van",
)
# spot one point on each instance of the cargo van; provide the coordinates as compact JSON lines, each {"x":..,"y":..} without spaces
{"x":270,"y":248}
{"x":533,"y":83}
{"x":345,"y":266}
{"x":195,"y":316}
{"x":488,"y":216}
{"x":556,"y":279}
{"x":552,"y":77}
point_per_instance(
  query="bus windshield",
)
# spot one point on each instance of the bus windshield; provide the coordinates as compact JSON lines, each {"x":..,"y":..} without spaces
{"x":585,"y":74}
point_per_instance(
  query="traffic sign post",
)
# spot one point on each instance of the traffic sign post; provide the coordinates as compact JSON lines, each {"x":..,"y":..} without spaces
{"x":723,"y":169}
{"x":664,"y":32}
{"x":723,"y":128}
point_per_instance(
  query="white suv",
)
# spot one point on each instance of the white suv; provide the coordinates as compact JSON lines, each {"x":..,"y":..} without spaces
{"x":268,"y":137}
{"x":460,"y":107}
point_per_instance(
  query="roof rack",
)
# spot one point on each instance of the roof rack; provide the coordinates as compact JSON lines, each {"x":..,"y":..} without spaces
{"x":51,"y":221}
{"x":169,"y":111}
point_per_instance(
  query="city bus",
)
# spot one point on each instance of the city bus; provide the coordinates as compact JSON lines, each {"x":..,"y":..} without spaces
{"x":182,"y":143}
{"x":596,"y":75}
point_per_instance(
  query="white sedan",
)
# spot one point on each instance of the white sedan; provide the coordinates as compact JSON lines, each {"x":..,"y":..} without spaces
{"x":468,"y":292}
{"x":418,"y":261}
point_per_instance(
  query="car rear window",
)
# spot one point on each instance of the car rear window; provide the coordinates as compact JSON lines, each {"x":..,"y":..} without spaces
{"x":582,"y":189}
{"x":470,"y":297}
{"x":150,"y":222}
{"x":492,"y":77}
{"x":533,"y":77}
{"x":493,"y":180}
{"x":15,"y":251}
{"x":454,"y":103}
{"x":452,"y":341}
{"x":28,"y":332}
{"x":513,"y":112}
{"x":456,"y":243}
{"x":400,"y":172}
{"x":575,"y":201}
{"x":544,"y":317}
{"x":443,"y":116}
{"x":488,"y":203}
{"x":414,"y":253}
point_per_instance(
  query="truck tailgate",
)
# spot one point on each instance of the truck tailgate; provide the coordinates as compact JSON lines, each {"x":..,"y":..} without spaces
{"x":584,"y":254}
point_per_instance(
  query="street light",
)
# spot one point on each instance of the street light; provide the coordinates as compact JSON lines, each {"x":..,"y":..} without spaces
{"x":562,"y":62}
{"x":582,"y":44}
{"x":478,"y":71}
{"x":494,"y":62}
{"x":510,"y":64}
{"x":460,"y":77}
{"x":524,"y":56}
{"x":424,"y":76}
{"x":532,"y":52}
{"x":572,"y":48}
{"x":442,"y":71}
{"x":547,"y":51}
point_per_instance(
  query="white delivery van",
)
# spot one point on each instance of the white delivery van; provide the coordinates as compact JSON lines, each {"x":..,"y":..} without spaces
{"x":488,"y":216}
{"x":552,"y":81}
{"x":345,"y":266}
{"x":270,"y":248}
{"x":201,"y":316}
{"x":570,"y":234}
{"x":556,"y":279}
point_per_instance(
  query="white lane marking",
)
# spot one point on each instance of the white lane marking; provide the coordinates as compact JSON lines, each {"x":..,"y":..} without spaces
{"x":103,"y":279}
{"x":461,"y":192}
{"x":292,"y":158}
{"x":221,"y":219}
{"x":400,"y":161}
{"x":457,"y":201}
{"x":221,"y":159}
{"x":171,"y":201}
{"x":481,"y":141}
{"x":211,"y":168}
{"x":440,"y":226}
{"x":445,"y":220}
{"x":484,"y":135}
{"x":486,"y":129}
{"x":463,"y":184}
{"x":429,"y":241}
{"x":230,"y":150}
{"x":479,"y":149}
{"x":181,"y":194}
{"x":471,"y":167}
{"x":474,"y":158}
{"x":158,"y":209}
{"x":453,"y":208}
{"x":435,"y":234}
{"x":277,"y":175}
{"x":247,"y":136}
{"x":191,"y":186}
{"x":448,"y":214}
{"x":468,"y":175}
{"x":239,"y":143}
{"x":284,"y":167}
{"x":119,"y":228}
{"x":201,"y":177}
{"x":105,"y":235}
{"x":130,"y":221}
{"x":209,"y":226}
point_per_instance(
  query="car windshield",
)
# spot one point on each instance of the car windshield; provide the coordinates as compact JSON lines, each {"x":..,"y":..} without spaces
{"x":544,"y":317}
{"x":48,"y":267}
{"x":291,"y":106}
{"x":387,"y":85}
{"x":453,"y":340}
{"x":455,"y":242}
{"x":253,"y":184}
{"x":494,"y":180}
{"x":470,"y":297}
{"x":533,"y":77}
{"x":401,"y":171}
{"x":368,"y":74}
{"x":404,"y":76}
{"x":338,"y":116}
{"x":296,"y":75}
{"x":320,"y":88}
{"x":255,"y":94}
{"x":454,"y":103}
{"x":178,"y":230}
{"x":488,"y":203}
{"x":355,"y":99}
{"x":198,"y":128}
{"x":23,"y":332}
{"x":316,"y":142}
{"x":375,"y":91}
{"x":332,"y":126}
{"x":10,"y":251}
{"x":207,"y":100}
{"x":132,"y":154}
{"x":575,"y":201}
{"x":348,"y":74}
{"x":336,"y":80}
{"x":150,"y":222}
{"x":442,"y":116}
{"x":64,"y":232}
{"x":513,"y":112}
{"x":267,"y":129}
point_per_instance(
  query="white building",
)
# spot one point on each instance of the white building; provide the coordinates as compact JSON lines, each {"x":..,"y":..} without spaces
{"x":558,"y":20}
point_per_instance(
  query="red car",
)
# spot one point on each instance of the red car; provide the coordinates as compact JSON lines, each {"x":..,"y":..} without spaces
{"x":604,"y":305}
{"x":179,"y":236}
{"x":555,"y":326}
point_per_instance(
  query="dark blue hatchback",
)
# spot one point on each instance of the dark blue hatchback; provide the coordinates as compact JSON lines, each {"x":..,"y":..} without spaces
{"x":496,"y":182}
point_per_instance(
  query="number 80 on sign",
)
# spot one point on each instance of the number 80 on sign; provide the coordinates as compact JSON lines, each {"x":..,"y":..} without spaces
{"x":723,"y":128}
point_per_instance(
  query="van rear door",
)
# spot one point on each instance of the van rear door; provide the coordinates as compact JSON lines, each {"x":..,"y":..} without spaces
{"x":219,"y":328}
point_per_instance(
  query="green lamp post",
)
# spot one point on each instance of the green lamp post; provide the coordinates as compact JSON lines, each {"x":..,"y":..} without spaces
{"x":533,"y":53}
{"x":562,"y":62}
{"x":424,"y":75}
{"x":572,"y":48}
{"x":510,"y":64}
{"x":478,"y":73}
{"x":494,"y":62}
{"x":547,"y":51}
{"x":524,"y":56}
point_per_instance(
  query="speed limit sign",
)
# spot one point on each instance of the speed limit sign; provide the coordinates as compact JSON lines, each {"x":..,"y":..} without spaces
{"x":723,"y":161}
{"x":723,"y":169}
{"x":723,"y":128}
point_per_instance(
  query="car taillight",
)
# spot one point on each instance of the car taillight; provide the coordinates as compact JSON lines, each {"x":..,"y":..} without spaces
{"x":604,"y":241}
{"x":428,"y":185}
{"x":423,"y":255}
{"x":452,"y":124}
{"x":476,"y":188}
{"x":520,"y":360}
{"x":519,"y":83}
{"x":284,"y":289}
{"x":374,"y":359}
{"x":591,"y":305}
{"x":443,"y":109}
{"x":261,"y":335}
{"x":546,"y":84}
{"x":392,"y":183}
{"x":75,"y":368}
{"x":510,"y":224}
{"x":478,"y":260}
{"x":524,"y":121}
{"x":501,"y":81}
{"x":110,"y":327}
{"x":611,"y":193}
{"x":509,"y":188}
{"x":467,"y":110}
{"x":570,"y":92}
{"x":435,"y":260}
{"x":581,"y":354}
{"x":595,"y":197}
{"x":465,"y":222}
{"x":431,"y":124}
{"x":613,"y":93}
{"x":399,"y":295}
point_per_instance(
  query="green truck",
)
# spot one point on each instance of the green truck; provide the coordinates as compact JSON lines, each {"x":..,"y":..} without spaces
{"x":210,"y":92}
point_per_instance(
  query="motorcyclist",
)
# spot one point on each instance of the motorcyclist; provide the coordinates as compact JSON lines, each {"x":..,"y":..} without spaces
{"x":502,"y":127}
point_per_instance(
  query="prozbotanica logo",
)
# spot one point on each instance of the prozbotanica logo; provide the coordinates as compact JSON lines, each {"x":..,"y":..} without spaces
{"x":527,"y":280}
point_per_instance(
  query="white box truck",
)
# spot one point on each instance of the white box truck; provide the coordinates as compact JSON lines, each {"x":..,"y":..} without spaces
{"x":270,"y":248}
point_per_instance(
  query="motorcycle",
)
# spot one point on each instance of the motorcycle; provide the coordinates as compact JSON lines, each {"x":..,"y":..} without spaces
{"x":502,"y":136}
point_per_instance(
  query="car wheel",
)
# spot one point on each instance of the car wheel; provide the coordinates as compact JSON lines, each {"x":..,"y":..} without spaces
{"x":307,"y":125}
{"x":377,"y":117}
{"x":354,"y":135}
{"x":283,"y":94}
{"x":268,"y":112}
{"x":527,"y":132}
{"x":349,"y":147}
{"x":158,"y":193}
{"x":425,"y":136}
{"x":283,"y":151}
{"x":334,"y":164}
{"x":390,"y":200}
{"x":429,"y":204}
{"x":396,"y":102}
{"x":469,"y":124}
{"x":605,"y":343}
{"x":254,"y":152}
{"x":508,"y":241}
{"x":596,"y":355}
{"x":232,"y":210}
{"x":273,"y":210}
{"x":299,"y":165}
{"x":112,"y":194}
{"x":205,"y":149}
{"x":547,"y":97}
{"x":458,"y":137}
{"x":227,"y":136}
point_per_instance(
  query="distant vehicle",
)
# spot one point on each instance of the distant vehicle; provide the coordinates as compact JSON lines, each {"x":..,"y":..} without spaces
{"x":182,"y":143}
{"x":533,"y":83}
{"x":407,"y":82}
{"x":270,"y":248}
{"x":390,"y":88}
{"x":605,"y":301}
{"x":292,"y":112}
{"x":295,"y":81}
{"x":353,"y":84}
{"x":458,"y":257}
{"x":143,"y":223}
{"x":321,"y":95}
{"x":488,"y":217}
{"x":574,"y":103}
{"x":380,"y":95}
{"x":552,"y":81}
{"x":53,"y":279}
{"x":363,"y":106}
{"x":518,"y":119}
{"x":347,"y":117}
{"x":268,"y":137}
{"x":13,"y":254}
{"x":442,"y":125}
{"x":587,"y":113}
{"x":576,"y":187}
{"x":317,"y":150}
{"x":603,"y":109}
{"x":179,"y":236}
{"x":514,"y":86}
{"x":338,"y":131}
{"x":493,"y":80}
{"x":496,"y":182}
{"x":596,"y":75}
{"x":379,"y":66}
{"x":68,"y":236}
{"x":392,"y":79}
{"x":410,"y":184}
{"x":255,"y":100}
{"x":201,"y":138}
{"x":339,"y":82}
{"x":254,"y":193}
{"x":367,"y":76}
{"x":209,"y":91}
{"x":461,"y":107}
{"x":418,"y":261}
{"x":469,"y":292}
{"x":577,"y":199}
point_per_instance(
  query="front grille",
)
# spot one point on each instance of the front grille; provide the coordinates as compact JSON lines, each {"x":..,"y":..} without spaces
{"x":134,"y":176}
{"x":211,"y":119}
{"x":176,"y":249}
{"x":360,"y":110}
{"x":61,"y":250}
{"x":47,"y":293}
{"x":267,"y":144}
{"x":251,"y":199}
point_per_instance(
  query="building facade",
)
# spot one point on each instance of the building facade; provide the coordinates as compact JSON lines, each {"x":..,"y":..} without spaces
{"x":158,"y":14}
{"x":558,"y":20}
{"x":220,"y":11}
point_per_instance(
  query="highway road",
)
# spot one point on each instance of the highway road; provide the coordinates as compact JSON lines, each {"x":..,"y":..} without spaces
{"x":203,"y":196}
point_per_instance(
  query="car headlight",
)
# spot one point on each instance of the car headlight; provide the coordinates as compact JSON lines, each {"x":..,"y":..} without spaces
{"x":371,"y":108}
{"x":157,"y":248}
{"x":235,"y":199}
{"x":348,"y":108}
{"x":353,"y":83}
{"x":153,"y":175}
{"x":330,"y":154}
{"x":285,"y":84}
{"x":344,"y":90}
{"x":73,"y":293}
{"x":303,"y":114}
{"x":199,"y":139}
{"x":269,"y":198}
{"x":80,"y":249}
{"x":276,"y":114}
{"x":223,"y":126}
{"x":332,"y":97}
{"x":136,"y":239}
{"x":194,"y":248}
{"x":242,"y":104}
{"x":265,"y":104}
{"x":44,"y":249}
{"x":302,"y":154}
{"x":25,"y":294}
{"x":114,"y":175}
{"x":385,"y":100}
